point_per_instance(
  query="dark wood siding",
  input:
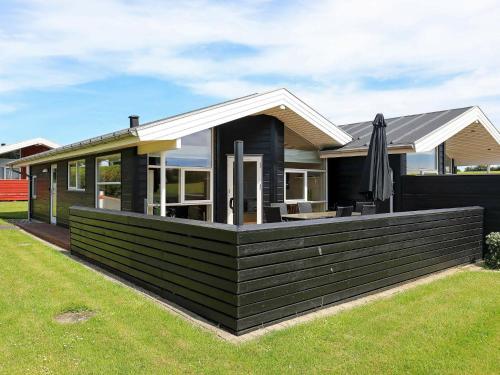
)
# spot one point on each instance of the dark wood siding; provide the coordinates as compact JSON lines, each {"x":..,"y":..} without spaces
{"x":251,"y":276}
{"x":134,"y":186}
{"x":262,"y":135}
{"x":344,"y":178}
{"x":134,"y":180}
{"x":426,"y":192}
{"x":67,"y":198}
{"x":441,"y":150}
{"x":41,"y":204}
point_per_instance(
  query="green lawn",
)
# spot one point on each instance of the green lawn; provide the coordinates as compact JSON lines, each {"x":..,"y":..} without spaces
{"x":451,"y":326}
{"x":13,"y":210}
{"x":477,"y":172}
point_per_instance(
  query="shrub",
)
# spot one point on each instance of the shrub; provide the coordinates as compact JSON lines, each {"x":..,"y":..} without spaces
{"x":492,"y":257}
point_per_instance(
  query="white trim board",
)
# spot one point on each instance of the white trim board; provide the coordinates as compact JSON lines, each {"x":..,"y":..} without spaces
{"x":178,"y":127}
{"x":27,"y":143}
{"x":448,"y":130}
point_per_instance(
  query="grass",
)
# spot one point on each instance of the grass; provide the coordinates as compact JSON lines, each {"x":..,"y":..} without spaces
{"x":477,"y":172}
{"x":450,"y":326}
{"x":13,"y":210}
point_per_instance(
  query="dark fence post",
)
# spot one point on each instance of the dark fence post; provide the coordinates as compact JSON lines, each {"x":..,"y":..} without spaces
{"x":238,"y":183}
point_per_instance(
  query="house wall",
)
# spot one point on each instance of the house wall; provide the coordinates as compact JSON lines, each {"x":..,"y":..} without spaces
{"x":40,"y":206}
{"x":262,"y":135}
{"x":344,"y":179}
{"x":31,"y":150}
{"x":441,"y":158}
{"x":134,"y":185}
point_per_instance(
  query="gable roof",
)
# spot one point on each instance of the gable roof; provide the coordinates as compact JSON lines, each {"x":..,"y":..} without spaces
{"x":403,"y":130}
{"x":30,"y":142}
{"x":280,"y":103}
{"x":416,"y":133}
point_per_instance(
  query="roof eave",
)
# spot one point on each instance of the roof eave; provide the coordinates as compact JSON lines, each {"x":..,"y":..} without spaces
{"x":103,"y":143}
{"x":179,"y":127}
{"x":362,"y":151}
{"x":448,"y":130}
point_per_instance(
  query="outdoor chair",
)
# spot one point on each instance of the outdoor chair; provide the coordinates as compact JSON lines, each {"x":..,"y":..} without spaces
{"x":282,"y":206}
{"x":195,"y":213}
{"x":369,"y":209}
{"x":272,"y":214}
{"x":344,"y":211}
{"x":360,"y":205}
{"x":304,"y":207}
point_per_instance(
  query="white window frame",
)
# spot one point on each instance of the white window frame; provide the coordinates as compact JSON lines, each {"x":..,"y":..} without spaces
{"x":11,"y":173}
{"x":97,"y":184}
{"x":183,"y":186}
{"x":33,"y":187}
{"x":422,"y":172}
{"x":305,"y":173}
{"x":182,"y":170}
{"x":182,"y":189}
{"x":77,"y":165}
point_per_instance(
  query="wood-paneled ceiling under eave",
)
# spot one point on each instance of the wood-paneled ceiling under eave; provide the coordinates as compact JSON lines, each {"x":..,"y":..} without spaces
{"x":301,"y":126}
{"x":472,"y":146}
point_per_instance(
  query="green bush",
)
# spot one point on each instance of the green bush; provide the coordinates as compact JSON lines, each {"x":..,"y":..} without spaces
{"x":492,"y":257}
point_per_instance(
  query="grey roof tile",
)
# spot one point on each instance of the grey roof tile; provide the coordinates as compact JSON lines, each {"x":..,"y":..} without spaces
{"x":403,"y":130}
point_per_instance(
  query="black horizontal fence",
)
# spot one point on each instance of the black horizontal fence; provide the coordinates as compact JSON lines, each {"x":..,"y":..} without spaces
{"x":255,"y":275}
{"x":445,"y":191}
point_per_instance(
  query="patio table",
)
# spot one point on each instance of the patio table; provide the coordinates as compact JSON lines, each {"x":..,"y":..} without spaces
{"x":314,"y":215}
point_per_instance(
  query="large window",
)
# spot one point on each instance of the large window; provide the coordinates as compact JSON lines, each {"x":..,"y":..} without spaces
{"x":9,"y":173}
{"x":422,"y":162}
{"x":76,"y":175}
{"x":195,"y":151}
{"x":305,"y":172}
{"x":188,"y":179}
{"x":306,"y":185}
{"x":184,"y":187}
{"x":295,"y":188}
{"x":197,"y":185}
{"x":108,"y":182}
{"x":12,"y":173}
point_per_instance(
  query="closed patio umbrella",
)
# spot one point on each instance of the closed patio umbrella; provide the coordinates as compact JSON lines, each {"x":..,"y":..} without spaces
{"x":376,"y":180}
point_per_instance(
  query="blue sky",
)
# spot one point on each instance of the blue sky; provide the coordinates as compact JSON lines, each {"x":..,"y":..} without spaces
{"x":73,"y":70}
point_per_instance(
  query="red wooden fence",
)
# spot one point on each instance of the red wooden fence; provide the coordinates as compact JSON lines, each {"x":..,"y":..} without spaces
{"x":13,"y":190}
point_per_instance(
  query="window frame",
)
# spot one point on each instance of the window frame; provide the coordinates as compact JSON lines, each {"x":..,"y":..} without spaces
{"x":188,"y":202}
{"x":305,"y":172}
{"x":97,"y":184}
{"x":421,"y":172}
{"x":77,"y":177}
{"x":34,"y":189}
{"x":182,"y":187}
{"x":182,"y":202}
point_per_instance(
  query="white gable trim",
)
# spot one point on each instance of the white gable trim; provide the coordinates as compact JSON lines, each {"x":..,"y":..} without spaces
{"x":178,"y":127}
{"x":448,"y":130}
{"x":28,"y":143}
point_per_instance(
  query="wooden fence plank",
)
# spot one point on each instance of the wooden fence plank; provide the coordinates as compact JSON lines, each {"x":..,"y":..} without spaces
{"x":251,"y":276}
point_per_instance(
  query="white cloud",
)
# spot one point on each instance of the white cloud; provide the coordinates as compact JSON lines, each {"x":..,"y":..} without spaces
{"x":324,"y":50}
